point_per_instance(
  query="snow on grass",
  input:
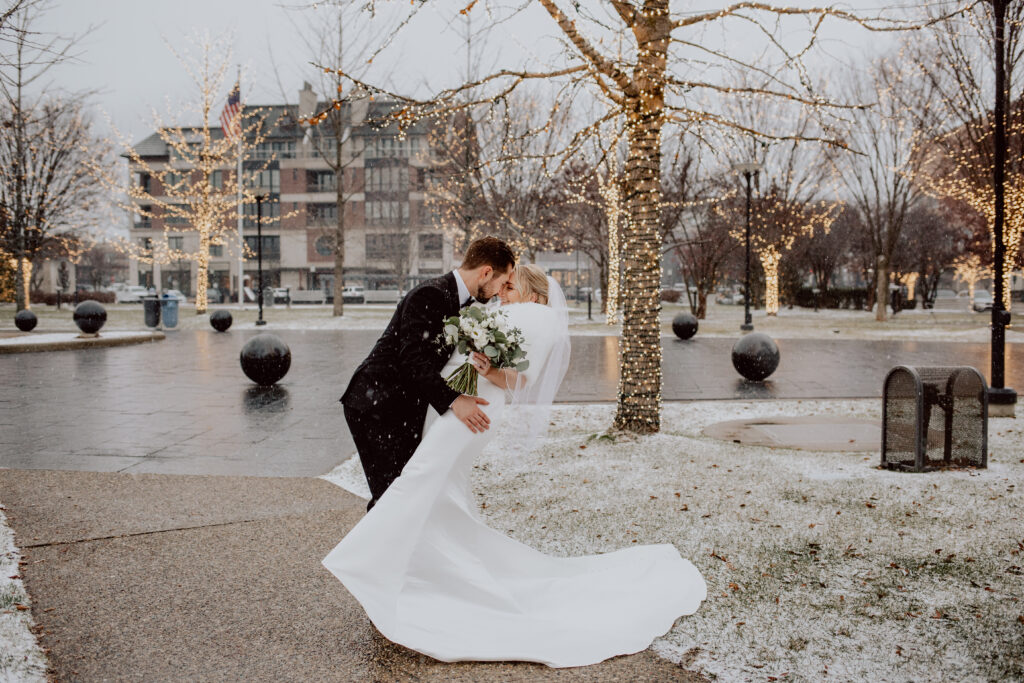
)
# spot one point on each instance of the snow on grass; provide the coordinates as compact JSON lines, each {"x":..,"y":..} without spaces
{"x":20,"y":657}
{"x":818,"y":564}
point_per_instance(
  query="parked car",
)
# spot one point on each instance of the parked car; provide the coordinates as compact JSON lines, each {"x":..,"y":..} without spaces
{"x":353,"y":294}
{"x":173,"y":294}
{"x":128,"y":294}
{"x":982,"y":300}
{"x":213,"y":296}
{"x":280,"y":294}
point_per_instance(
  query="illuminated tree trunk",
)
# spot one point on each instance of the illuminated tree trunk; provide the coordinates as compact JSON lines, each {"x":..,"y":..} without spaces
{"x":639,"y":405}
{"x":202,"y":272}
{"x":613,"y":213}
{"x":910,"y":280}
{"x":770,"y":258}
{"x":1012,"y":254}
{"x":640,"y":346}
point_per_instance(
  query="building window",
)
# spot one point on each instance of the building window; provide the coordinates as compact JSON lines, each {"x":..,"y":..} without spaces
{"x":324,"y":245}
{"x":270,"y":210}
{"x":431,"y":246}
{"x":172,"y":181}
{"x":385,"y":246}
{"x":147,"y":245}
{"x":217,"y":180}
{"x":143,"y":220}
{"x":320,"y":181}
{"x":176,"y":243}
{"x":387,"y":178}
{"x":216,"y":251}
{"x":387,"y":212}
{"x":144,"y":180}
{"x":389,"y":147}
{"x":323,"y":213}
{"x":267,"y":179}
{"x":176,"y":215}
{"x":279,"y":149}
{"x":271,"y":246}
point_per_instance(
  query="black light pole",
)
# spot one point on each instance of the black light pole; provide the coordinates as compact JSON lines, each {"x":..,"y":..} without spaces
{"x":259,"y":257}
{"x":749,"y":172}
{"x":1001,"y":399}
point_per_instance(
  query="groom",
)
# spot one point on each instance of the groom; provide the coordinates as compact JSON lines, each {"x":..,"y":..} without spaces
{"x":386,"y":400}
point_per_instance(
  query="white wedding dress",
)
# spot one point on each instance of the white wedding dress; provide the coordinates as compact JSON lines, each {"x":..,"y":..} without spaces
{"x":434,"y":578}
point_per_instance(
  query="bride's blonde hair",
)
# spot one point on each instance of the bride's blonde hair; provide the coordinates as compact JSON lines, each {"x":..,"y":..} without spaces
{"x":530,"y":279}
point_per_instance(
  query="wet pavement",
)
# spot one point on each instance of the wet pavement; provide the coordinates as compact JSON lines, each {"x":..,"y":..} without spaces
{"x":183,"y":406}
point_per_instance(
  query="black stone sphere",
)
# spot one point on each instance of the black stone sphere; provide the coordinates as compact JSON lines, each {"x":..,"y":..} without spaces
{"x":265,"y":359}
{"x":755,"y":356}
{"x":684,"y":325}
{"x":25,"y":320}
{"x":90,"y":316}
{"x":221,"y":320}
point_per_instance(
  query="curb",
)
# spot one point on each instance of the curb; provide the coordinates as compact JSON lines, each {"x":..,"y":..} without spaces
{"x":74,"y":342}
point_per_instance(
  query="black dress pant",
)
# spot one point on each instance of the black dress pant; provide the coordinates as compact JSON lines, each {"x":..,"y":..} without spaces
{"x":385,"y":442}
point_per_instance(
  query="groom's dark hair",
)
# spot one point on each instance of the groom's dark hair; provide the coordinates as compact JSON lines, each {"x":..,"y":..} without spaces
{"x":489,"y":251}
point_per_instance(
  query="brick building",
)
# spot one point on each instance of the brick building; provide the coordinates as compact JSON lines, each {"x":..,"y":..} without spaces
{"x":390,"y":242}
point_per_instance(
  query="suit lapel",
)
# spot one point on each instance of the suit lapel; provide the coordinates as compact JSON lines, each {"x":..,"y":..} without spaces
{"x":452,"y":290}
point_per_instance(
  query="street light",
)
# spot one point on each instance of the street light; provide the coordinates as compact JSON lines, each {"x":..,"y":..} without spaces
{"x":748,"y":171}
{"x":1001,"y":399}
{"x":259,"y":256}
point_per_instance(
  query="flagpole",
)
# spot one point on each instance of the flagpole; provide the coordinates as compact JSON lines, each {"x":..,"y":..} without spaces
{"x":238,"y":183}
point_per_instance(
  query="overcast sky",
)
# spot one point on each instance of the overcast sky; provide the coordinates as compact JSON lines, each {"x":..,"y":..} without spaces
{"x":126,"y":60}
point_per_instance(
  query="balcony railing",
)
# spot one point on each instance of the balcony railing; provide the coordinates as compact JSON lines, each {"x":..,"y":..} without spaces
{"x":322,"y":186}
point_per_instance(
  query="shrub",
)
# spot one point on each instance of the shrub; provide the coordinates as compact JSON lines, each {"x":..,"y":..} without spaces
{"x":50,"y":299}
{"x":671,"y":296}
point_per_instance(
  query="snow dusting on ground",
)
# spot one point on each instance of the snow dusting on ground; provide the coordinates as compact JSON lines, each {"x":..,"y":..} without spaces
{"x":21,"y":659}
{"x":819,"y":565}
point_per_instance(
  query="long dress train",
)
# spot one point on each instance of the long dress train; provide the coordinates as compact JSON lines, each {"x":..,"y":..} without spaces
{"x":434,"y":578}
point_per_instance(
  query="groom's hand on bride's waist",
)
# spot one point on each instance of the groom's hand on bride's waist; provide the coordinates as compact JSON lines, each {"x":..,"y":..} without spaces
{"x":467,"y":409}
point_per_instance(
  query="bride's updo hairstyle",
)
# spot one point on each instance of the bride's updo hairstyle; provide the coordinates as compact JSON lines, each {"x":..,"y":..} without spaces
{"x":530,"y":280}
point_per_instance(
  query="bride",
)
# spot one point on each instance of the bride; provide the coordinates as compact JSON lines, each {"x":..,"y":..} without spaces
{"x":434,"y":578}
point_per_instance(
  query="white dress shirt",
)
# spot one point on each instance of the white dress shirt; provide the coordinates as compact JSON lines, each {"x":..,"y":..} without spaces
{"x":464,"y":295}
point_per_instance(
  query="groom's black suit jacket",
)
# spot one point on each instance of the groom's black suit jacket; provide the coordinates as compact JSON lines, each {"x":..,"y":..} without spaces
{"x":402,"y":373}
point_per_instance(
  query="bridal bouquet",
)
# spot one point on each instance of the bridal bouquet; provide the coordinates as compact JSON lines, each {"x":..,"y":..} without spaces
{"x":486,"y":332}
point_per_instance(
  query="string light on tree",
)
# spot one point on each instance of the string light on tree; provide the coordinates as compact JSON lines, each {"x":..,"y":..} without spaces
{"x":969,"y":270}
{"x":195,"y":192}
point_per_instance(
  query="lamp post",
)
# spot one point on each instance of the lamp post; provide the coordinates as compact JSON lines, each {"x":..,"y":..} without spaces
{"x":1001,"y":399}
{"x":749,"y":172}
{"x":259,"y":257}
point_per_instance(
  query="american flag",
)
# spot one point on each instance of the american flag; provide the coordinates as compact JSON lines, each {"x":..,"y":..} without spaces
{"x":230,"y":121}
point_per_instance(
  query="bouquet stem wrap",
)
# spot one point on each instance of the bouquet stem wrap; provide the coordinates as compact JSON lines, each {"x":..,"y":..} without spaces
{"x":464,"y":379}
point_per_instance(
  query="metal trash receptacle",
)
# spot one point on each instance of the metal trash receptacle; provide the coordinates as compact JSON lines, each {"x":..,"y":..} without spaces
{"x":169,"y":310}
{"x":151,"y":311}
{"x":934,"y":417}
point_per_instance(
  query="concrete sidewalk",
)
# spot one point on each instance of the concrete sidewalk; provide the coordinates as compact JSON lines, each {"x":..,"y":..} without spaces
{"x":163,"y":577}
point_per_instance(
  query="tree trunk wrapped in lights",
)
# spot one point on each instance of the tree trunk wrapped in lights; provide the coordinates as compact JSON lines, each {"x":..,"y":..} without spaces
{"x":196,"y":190}
{"x":615,"y":218}
{"x":969,"y":269}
